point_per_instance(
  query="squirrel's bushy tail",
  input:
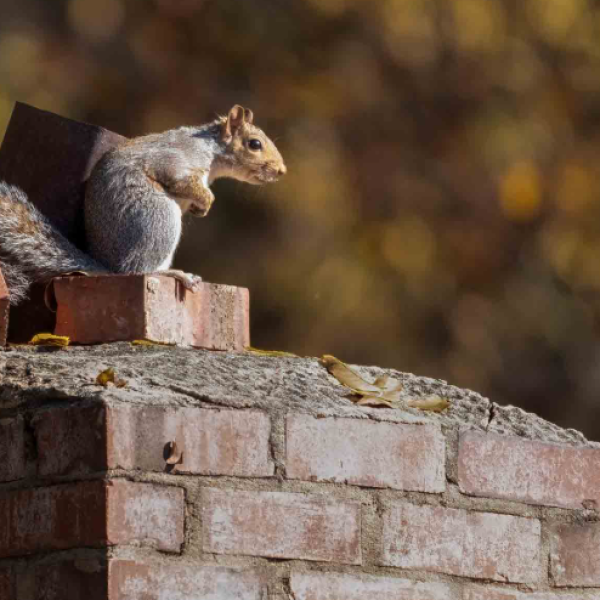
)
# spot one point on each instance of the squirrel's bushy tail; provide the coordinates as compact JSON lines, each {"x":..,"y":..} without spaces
{"x":31,"y":249}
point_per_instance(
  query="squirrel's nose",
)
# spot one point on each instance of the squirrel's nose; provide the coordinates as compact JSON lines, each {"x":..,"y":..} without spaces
{"x":282,"y":170}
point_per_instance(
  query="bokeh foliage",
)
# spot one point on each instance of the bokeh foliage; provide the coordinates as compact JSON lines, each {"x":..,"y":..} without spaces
{"x":441,"y":214}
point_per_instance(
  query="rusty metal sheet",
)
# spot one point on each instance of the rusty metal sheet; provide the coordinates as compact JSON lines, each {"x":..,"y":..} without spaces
{"x":50,"y":157}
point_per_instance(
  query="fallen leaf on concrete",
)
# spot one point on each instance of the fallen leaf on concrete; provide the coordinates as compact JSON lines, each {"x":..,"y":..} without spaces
{"x":108,"y":377}
{"x":375,"y":401}
{"x":149,"y":343}
{"x":433,"y":403}
{"x":384,"y":391}
{"x":49,"y":339}
{"x":388,"y":384}
{"x":347,"y":376}
{"x":260,"y":352}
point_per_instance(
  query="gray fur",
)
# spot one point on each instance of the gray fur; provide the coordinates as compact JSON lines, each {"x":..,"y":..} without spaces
{"x":25,"y":258}
{"x":134,"y":202}
{"x":143,"y":235}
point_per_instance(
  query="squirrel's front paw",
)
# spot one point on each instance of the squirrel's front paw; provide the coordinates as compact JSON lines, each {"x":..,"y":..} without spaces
{"x":189,"y":280}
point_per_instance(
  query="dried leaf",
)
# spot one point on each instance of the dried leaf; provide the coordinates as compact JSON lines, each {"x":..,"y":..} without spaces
{"x":381,"y":381}
{"x":375,"y":401}
{"x":105,"y":377}
{"x":433,"y":403}
{"x":392,"y":395}
{"x":388,"y":384}
{"x":260,"y":352}
{"x":348,"y":377}
{"x":384,"y":391}
{"x":108,"y":377}
{"x":149,"y":343}
{"x":49,"y":339}
{"x":173,"y":454}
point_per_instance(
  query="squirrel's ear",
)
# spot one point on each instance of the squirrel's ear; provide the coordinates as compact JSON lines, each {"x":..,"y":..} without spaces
{"x":235,"y":119}
{"x":248,"y":116}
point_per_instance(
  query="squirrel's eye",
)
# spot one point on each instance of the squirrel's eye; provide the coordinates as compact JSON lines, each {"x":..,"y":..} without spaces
{"x":255,"y":144}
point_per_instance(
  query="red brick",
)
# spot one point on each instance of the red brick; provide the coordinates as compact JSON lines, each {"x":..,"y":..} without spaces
{"x":131,"y":580}
{"x":4,"y":305}
{"x":12,"y":449}
{"x":344,"y":586}
{"x":93,"y":579}
{"x":145,"y":514}
{"x":281,"y":525}
{"x":56,"y":518}
{"x":575,"y":555}
{"x":493,"y":593}
{"x":96,"y":438}
{"x":496,"y":466}
{"x":69,"y":580}
{"x":465,"y":543}
{"x":94,"y":514}
{"x":362,"y":452}
{"x":109,"y":308}
{"x":71,"y":440}
{"x":213,"y":442}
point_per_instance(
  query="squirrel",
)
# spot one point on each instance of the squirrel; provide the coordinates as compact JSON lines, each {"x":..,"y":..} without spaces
{"x":134,"y":201}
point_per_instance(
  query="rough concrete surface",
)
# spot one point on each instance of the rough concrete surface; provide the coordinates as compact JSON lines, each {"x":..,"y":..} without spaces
{"x":174,"y":376}
{"x":180,"y":376}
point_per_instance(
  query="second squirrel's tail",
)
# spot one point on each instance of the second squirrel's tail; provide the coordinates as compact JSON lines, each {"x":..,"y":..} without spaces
{"x":31,"y":248}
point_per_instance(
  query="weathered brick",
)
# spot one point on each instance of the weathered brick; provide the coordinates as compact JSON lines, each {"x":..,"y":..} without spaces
{"x":362,"y":452}
{"x":130,"y":580}
{"x":71,"y":440}
{"x":145,"y":514}
{"x":212,"y":442}
{"x":344,"y":586}
{"x":465,"y":543}
{"x":281,"y":525}
{"x":68,"y":580}
{"x":108,"y":308}
{"x":78,"y":439}
{"x":12,"y":449}
{"x":493,"y":593}
{"x":52,"y":518}
{"x":495,"y":466}
{"x":92,"y":513}
{"x":575,"y":555}
{"x":4,"y":306}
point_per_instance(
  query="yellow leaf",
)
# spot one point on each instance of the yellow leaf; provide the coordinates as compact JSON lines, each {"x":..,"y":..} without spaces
{"x":433,"y":403}
{"x":381,"y":381}
{"x":384,"y":391}
{"x":375,"y":401}
{"x":149,"y":343}
{"x":347,"y":376}
{"x":260,"y":352}
{"x":388,"y":384}
{"x":49,"y":339}
{"x":109,"y":377}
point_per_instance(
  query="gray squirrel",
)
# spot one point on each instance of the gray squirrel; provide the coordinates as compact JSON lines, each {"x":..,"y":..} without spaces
{"x":134,"y":202}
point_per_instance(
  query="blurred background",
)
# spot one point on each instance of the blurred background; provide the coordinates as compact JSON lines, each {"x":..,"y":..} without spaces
{"x":441,"y":214}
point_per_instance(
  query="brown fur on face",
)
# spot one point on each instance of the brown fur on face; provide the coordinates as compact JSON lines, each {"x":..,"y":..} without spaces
{"x":250,"y":152}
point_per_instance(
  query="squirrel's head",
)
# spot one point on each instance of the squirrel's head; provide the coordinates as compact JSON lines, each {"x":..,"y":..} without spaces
{"x":253,"y":156}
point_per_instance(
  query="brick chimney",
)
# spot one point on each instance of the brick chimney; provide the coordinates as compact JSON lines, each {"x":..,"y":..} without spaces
{"x":214,"y":475}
